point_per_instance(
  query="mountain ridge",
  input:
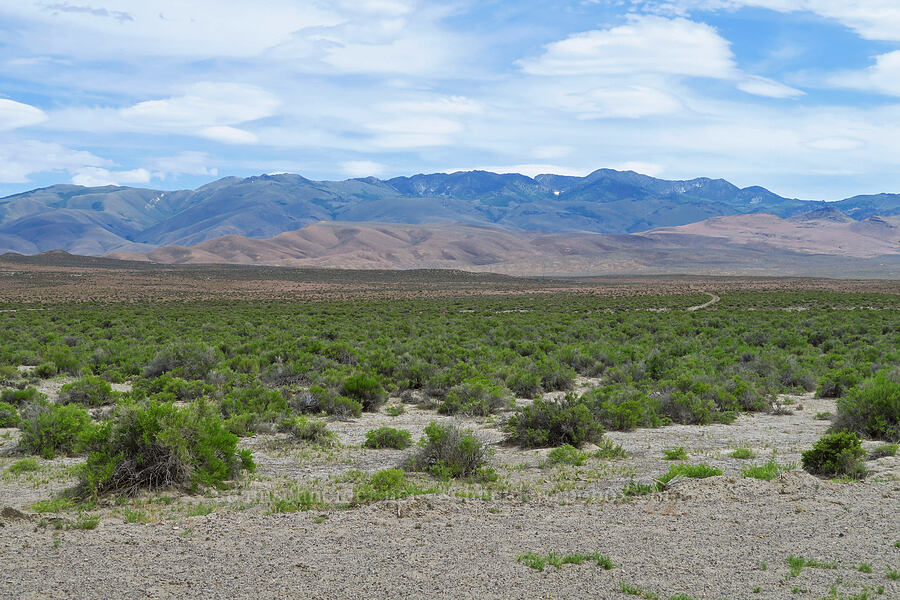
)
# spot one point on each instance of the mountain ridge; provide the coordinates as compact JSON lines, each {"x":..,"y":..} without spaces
{"x":97,"y":221}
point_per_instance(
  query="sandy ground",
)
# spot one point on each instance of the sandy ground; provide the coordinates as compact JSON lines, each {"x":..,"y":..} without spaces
{"x":721,"y":537}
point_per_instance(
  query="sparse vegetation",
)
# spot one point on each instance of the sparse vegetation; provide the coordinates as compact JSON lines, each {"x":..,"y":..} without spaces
{"x":767,"y":471}
{"x":700,"y":471}
{"x":742,"y":453}
{"x":567,"y":454}
{"x":25,"y":465}
{"x":539,"y":561}
{"x":883,"y":450}
{"x":678,"y":453}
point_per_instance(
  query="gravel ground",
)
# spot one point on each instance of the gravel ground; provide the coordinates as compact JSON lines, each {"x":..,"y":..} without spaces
{"x":721,"y":537}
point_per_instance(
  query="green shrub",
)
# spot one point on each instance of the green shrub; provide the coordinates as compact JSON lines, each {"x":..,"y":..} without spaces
{"x":308,"y":429}
{"x":836,"y":454}
{"x":678,"y":453}
{"x":166,"y":387}
{"x":46,"y":370}
{"x":389,"y":484}
{"x":89,"y":391}
{"x":9,"y":415}
{"x":388,"y":437}
{"x":607,"y":449}
{"x":19,"y":397}
{"x":301,"y":500}
{"x":567,"y":454}
{"x":742,"y":453}
{"x":624,"y":409}
{"x":872,"y":409}
{"x":154,"y":445}
{"x":836,"y":382}
{"x":395,"y":410}
{"x":524,"y":383}
{"x":247,"y":408}
{"x":319,"y":399}
{"x":553,"y":423}
{"x":49,"y":429}
{"x":475,"y":396}
{"x":447,"y":451}
{"x":636,"y":488}
{"x":190,"y":360}
{"x":25,"y":465}
{"x":341,"y":407}
{"x":64,"y":359}
{"x":700,"y":471}
{"x":883,"y":450}
{"x":366,"y":389}
{"x":766,"y":471}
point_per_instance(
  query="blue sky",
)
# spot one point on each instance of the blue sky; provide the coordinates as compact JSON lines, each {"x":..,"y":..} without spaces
{"x":799,"y":96}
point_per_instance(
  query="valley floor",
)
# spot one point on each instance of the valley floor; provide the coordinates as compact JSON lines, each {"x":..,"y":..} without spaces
{"x":722,"y":537}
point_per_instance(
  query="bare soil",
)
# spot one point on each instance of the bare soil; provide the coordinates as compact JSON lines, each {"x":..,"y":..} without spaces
{"x":723,"y":537}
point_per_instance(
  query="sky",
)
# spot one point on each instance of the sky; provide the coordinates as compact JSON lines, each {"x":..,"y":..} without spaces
{"x":799,"y":96}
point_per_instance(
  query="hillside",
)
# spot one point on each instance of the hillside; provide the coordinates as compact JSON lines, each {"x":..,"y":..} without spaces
{"x":743,"y":243}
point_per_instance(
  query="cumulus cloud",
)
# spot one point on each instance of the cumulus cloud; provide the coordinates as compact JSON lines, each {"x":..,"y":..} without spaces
{"x":882,"y":77}
{"x":646,"y":44}
{"x":20,"y":159}
{"x":15,"y":114}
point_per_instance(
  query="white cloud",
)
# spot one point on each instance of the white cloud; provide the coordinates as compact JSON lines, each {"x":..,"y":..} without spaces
{"x":452,"y":105}
{"x":200,"y":28}
{"x":836,"y":144}
{"x":762,"y":86}
{"x":624,"y":102}
{"x":228,"y":135}
{"x":551,"y":152}
{"x":204,"y":104}
{"x":15,"y":114}
{"x":184,"y":163}
{"x":95,"y":176}
{"x":882,"y":77}
{"x":871,"y":19}
{"x":20,"y":159}
{"x":646,"y":44}
{"x":362,"y":168}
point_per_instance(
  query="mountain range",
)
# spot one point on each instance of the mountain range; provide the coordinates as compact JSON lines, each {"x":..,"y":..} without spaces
{"x":472,"y":219}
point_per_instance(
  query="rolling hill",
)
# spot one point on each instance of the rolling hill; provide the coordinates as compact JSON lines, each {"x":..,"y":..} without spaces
{"x":757,"y":243}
